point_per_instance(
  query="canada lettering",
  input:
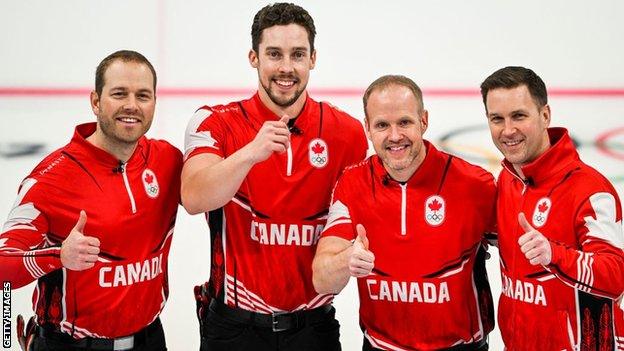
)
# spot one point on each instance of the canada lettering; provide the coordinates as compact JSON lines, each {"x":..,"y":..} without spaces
{"x":409,"y":292}
{"x":131,"y":273}
{"x":285,"y":234}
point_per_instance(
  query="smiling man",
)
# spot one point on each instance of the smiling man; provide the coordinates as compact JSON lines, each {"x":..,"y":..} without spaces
{"x":559,"y":227}
{"x":408,"y":223}
{"x":263,"y":170}
{"x":93,"y":221}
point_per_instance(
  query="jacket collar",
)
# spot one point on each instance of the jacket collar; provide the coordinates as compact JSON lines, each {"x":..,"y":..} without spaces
{"x":559,"y":157}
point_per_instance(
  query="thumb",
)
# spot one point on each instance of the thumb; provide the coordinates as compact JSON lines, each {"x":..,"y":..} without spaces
{"x":361,"y":232}
{"x":82,"y":220}
{"x":284,"y":118}
{"x":524,"y":223}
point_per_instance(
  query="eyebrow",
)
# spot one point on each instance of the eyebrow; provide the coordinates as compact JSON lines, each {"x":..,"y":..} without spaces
{"x":298,"y":48}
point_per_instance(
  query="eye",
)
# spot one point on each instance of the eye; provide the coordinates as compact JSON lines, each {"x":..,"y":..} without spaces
{"x":404,"y":123}
{"x":381,"y":125}
{"x":274,"y":54}
{"x":118,"y":94}
{"x":299,"y":55}
{"x":496,"y":119}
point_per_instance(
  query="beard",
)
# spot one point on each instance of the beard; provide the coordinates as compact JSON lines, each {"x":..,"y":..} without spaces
{"x":282,"y":101}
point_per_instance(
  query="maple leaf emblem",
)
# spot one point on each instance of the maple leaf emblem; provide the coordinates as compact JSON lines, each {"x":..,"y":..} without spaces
{"x":149,"y":178}
{"x":318,"y":148}
{"x":542,"y":207}
{"x":435,"y":205}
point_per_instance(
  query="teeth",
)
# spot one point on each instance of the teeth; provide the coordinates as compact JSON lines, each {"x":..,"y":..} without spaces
{"x":397,"y":148}
{"x":128,"y":119}
{"x":285,"y":83}
{"x":512,"y":143}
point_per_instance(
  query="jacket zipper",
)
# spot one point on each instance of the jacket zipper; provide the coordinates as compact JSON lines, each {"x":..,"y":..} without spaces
{"x":127,"y":184}
{"x":289,"y":161}
{"x":403,"y":208}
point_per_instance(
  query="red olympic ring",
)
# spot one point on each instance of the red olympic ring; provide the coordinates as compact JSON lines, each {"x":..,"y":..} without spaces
{"x":602,"y":143}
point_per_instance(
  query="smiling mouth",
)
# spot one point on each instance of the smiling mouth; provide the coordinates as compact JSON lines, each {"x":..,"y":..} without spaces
{"x":396,"y":148}
{"x":130,"y":120}
{"x":512,"y":143}
{"x":285,"y":83}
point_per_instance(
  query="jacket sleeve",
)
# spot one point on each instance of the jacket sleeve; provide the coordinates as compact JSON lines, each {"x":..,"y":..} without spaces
{"x":25,"y":251}
{"x":598,"y":266}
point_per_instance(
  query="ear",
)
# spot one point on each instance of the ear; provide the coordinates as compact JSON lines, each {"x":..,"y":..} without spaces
{"x":424,"y":120}
{"x":95,"y":102}
{"x":545,"y":114}
{"x":253,"y":58}
{"x":313,"y":59}
{"x":367,"y":129}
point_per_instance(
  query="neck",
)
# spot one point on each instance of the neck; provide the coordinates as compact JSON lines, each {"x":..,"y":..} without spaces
{"x":122,"y":151}
{"x":292,"y":111}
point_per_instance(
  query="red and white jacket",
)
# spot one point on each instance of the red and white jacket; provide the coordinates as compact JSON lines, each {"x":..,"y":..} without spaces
{"x":131,"y":208}
{"x":574,"y":302}
{"x":429,"y":289}
{"x":264,"y":239}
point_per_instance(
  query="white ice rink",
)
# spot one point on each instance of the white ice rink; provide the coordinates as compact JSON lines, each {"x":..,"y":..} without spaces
{"x":49,"y":50}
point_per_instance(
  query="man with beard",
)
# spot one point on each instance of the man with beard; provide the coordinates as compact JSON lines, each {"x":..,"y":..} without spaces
{"x":559,"y":227}
{"x":263,"y":169}
{"x":409,"y":223}
{"x":93,"y":221}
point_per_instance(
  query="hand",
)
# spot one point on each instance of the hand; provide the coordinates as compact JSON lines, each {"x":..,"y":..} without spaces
{"x":274,"y":136}
{"x":361,"y":260}
{"x":78,"y":251}
{"x":533,"y":244}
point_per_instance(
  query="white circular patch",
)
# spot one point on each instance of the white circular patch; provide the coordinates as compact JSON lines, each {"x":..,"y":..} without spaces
{"x":150,"y":183}
{"x":317,"y":153}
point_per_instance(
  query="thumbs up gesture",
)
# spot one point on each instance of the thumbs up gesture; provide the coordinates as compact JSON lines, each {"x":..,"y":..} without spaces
{"x":533,"y":244}
{"x":361,"y":260}
{"x":78,"y":251}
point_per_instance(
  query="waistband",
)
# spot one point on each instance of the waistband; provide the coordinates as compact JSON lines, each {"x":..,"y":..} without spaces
{"x":473,"y":346}
{"x":276,"y":321}
{"x":118,"y":344}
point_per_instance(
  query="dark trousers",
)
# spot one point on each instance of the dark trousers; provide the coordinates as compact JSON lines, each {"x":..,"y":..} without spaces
{"x":154,"y":340}
{"x":477,"y":346}
{"x":223,"y":334}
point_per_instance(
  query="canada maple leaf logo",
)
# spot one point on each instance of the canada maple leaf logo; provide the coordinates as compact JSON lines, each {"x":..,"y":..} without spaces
{"x":149,"y":178}
{"x":318,"y":148}
{"x":435,"y":205}
{"x":542,"y":207}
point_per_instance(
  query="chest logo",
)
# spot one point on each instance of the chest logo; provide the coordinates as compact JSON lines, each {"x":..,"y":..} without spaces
{"x":542,"y":209}
{"x":435,"y":210}
{"x":150,"y":183}
{"x":317,"y":153}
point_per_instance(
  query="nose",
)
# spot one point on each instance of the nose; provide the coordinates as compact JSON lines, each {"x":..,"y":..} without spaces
{"x":131,"y":103}
{"x":509,"y":128}
{"x":286,"y":65}
{"x":395,"y":133}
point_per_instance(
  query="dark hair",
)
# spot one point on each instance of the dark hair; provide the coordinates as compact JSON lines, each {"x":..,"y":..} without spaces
{"x":125,"y":56}
{"x":281,"y":14}
{"x":512,"y":77}
{"x":388,"y":80}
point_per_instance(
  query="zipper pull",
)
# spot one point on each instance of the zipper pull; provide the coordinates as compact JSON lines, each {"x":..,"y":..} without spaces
{"x":120,"y":168}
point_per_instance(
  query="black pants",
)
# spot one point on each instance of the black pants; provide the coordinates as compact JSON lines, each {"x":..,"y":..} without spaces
{"x":222,"y":334}
{"x":153,"y":341}
{"x":471,"y":347}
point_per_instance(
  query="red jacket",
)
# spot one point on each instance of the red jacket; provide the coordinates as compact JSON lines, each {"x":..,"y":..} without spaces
{"x":131,"y":209}
{"x":573,"y":302}
{"x":264,"y":239}
{"x":429,"y":289}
